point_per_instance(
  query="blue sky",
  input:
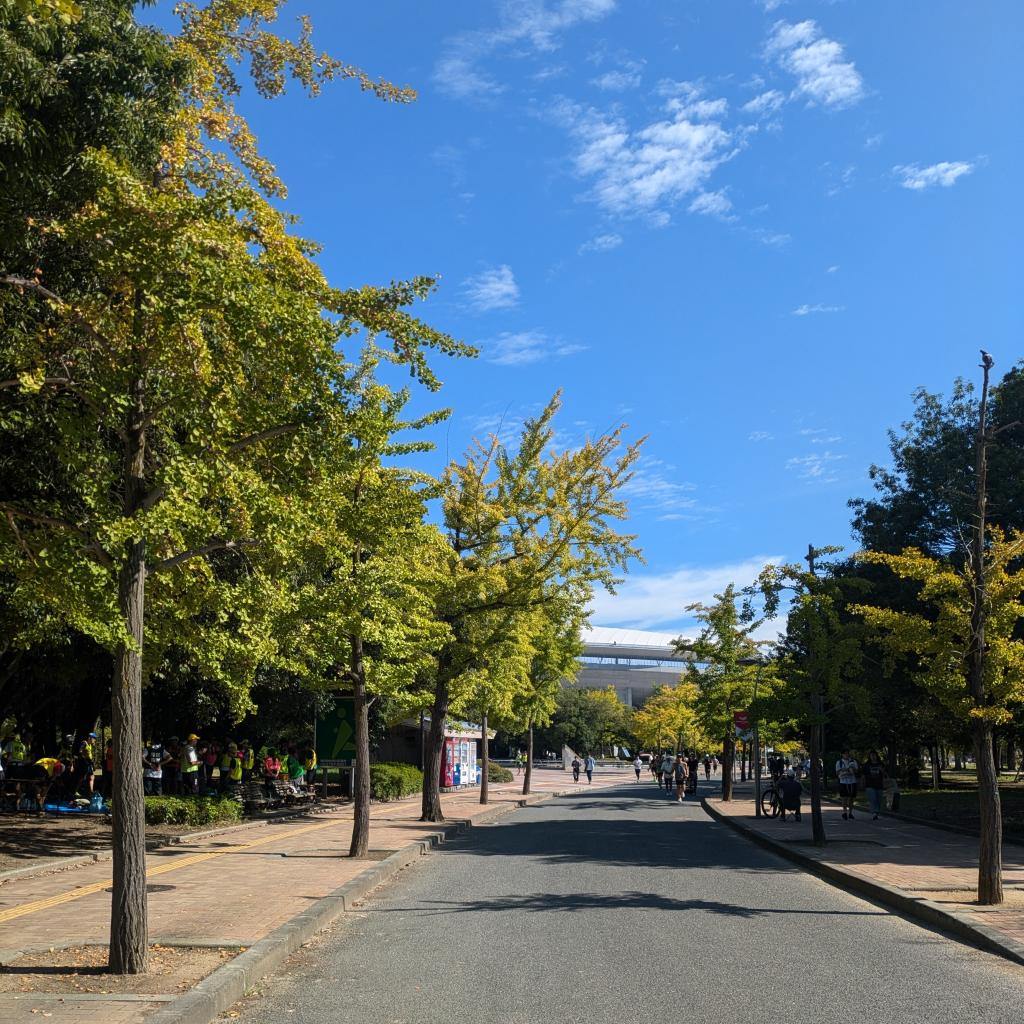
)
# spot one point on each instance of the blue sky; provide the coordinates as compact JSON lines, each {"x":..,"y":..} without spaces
{"x":746,"y":228}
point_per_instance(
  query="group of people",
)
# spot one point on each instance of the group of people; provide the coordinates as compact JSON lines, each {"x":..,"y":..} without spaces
{"x":852,"y":775}
{"x":587,"y":764}
{"x":678,"y":775}
{"x":198,"y":767}
{"x":189,"y":767}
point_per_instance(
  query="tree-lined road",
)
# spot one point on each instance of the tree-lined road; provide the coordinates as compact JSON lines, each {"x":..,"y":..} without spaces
{"x":619,"y":905}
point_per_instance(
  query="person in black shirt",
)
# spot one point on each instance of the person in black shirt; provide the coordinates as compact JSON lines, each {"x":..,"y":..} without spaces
{"x":790,"y":792}
{"x":874,"y":783}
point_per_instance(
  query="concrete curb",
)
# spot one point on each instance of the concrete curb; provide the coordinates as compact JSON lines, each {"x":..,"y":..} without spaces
{"x":950,"y":921}
{"x":226,"y":985}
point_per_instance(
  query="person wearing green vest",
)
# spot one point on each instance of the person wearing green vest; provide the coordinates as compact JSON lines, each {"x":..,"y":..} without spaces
{"x":248,"y":756}
{"x":296,"y":769}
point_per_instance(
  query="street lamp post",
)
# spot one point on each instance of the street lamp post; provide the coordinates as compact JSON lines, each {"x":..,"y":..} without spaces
{"x":757,"y":749}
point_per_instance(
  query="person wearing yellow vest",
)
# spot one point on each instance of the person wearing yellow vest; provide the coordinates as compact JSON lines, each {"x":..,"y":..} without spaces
{"x":189,"y":764}
{"x":248,"y":756}
{"x":43,"y":773}
{"x":225,"y":763}
{"x":234,"y":769}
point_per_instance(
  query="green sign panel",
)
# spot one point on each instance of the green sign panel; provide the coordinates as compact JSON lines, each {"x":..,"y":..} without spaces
{"x":336,"y":733}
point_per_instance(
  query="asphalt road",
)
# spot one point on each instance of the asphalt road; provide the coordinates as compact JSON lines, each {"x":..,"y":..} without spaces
{"x":619,"y":906}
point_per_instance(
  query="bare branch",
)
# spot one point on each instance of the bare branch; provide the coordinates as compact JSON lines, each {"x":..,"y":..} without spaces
{"x":263,"y":435}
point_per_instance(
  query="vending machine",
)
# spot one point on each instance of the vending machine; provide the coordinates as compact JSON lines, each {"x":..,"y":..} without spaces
{"x":448,"y":764}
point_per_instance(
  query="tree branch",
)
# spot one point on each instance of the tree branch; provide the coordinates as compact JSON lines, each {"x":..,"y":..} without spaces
{"x":92,"y":545}
{"x":206,"y":549}
{"x":32,"y":285}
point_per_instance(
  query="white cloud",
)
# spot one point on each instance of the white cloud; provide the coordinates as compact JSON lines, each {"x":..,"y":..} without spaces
{"x":643,"y":171}
{"x":601,"y":243}
{"x":521,"y":348}
{"x":714,"y":204}
{"x":806,"y":310}
{"x":494,"y":288}
{"x":816,"y":466}
{"x":873,"y":141}
{"x":655,"y":487}
{"x":833,"y":269}
{"x":760,"y":435}
{"x":524,"y":29}
{"x":764,"y":105}
{"x":774,"y":239}
{"x":647,"y":600}
{"x":822,"y":74}
{"x":771,"y":5}
{"x":621,"y":79}
{"x":944,"y":174}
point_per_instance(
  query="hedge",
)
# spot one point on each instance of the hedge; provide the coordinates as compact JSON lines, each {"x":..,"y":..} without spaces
{"x":496,"y":773}
{"x":176,"y":810}
{"x":392,"y":781}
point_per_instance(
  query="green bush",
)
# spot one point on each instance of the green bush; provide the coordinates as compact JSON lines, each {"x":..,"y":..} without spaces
{"x":495,"y":773}
{"x":179,"y":810}
{"x":392,"y":781}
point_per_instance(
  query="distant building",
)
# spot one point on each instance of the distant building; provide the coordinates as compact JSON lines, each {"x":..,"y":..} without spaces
{"x":634,"y":661}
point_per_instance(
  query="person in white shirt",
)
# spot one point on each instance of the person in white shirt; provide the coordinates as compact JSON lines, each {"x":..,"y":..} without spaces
{"x":638,"y":767}
{"x":846,"y":771}
{"x":588,"y":766}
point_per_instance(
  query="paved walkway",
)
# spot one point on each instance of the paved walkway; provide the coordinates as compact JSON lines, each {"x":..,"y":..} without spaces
{"x":232,"y":888}
{"x":923,"y":862}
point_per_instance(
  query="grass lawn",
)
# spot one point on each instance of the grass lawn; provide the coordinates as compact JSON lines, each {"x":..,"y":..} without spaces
{"x":957,"y":804}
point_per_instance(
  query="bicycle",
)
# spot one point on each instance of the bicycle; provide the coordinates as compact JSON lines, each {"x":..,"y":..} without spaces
{"x":771,"y":804}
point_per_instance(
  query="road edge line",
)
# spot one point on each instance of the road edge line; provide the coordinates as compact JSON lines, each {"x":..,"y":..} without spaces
{"x":930,"y":913}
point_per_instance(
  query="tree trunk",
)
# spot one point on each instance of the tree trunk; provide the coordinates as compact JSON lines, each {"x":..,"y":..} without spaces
{"x":129,"y":938}
{"x":728,"y":753}
{"x":528,"y":773}
{"x":933,"y":751}
{"x":990,"y":850}
{"x":485,"y":758}
{"x":431,"y":807}
{"x":958,"y":760}
{"x":743,"y":763}
{"x":360,"y":844}
{"x":817,"y":823}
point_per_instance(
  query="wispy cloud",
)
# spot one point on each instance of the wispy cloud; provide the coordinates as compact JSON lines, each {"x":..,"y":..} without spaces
{"x":764,"y":105}
{"x":647,"y":170}
{"x":760,"y":435}
{"x":620,"y":79}
{"x":656,"y":487}
{"x":601,"y":243}
{"x":834,"y":269}
{"x":770,"y":5}
{"x":942,"y":175}
{"x":818,"y":307}
{"x":822,"y":73}
{"x":818,"y":466}
{"x":491,"y":289}
{"x":713,"y":204}
{"x":524,"y":29}
{"x":521,"y":348}
{"x":646,"y":600}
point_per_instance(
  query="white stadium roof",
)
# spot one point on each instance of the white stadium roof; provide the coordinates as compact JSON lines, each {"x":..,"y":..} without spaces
{"x":628,"y":644}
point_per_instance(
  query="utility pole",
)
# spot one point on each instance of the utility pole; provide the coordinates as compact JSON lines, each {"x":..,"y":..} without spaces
{"x":990,"y":855}
{"x":817,"y":702}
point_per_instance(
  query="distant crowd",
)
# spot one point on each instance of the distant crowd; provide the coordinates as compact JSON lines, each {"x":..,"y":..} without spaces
{"x":82,"y":771}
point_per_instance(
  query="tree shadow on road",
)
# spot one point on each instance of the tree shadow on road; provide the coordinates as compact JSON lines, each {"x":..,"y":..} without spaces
{"x":543,"y":902}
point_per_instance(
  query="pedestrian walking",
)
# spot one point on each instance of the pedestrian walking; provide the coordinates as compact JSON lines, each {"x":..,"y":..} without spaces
{"x":846,"y":771}
{"x":657,"y":767}
{"x":874,"y":783}
{"x":638,"y":767}
{"x":667,"y":766}
{"x":790,"y":792}
{"x":692,"y":764}
{"x":589,"y":766}
{"x":576,"y":766}
{"x":679,"y":777}
{"x":707,"y":767}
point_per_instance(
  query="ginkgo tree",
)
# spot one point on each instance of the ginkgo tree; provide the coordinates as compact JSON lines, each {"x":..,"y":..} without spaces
{"x":668,"y":719}
{"x":189,"y":381}
{"x":939,"y":635}
{"x":521,"y":522}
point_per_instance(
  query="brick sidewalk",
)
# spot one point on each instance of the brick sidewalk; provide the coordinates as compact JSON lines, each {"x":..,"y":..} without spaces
{"x":921,"y":862}
{"x":233,"y":888}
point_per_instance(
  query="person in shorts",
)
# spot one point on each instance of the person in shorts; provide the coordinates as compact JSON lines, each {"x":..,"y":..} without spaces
{"x":638,"y":767}
{"x":679,"y":777}
{"x":846,"y":771}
